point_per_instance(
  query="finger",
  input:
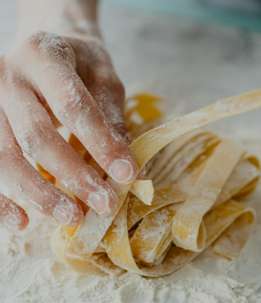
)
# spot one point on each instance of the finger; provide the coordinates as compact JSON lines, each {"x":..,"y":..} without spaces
{"x":17,"y":173}
{"x":38,"y":137}
{"x":76,"y":109}
{"x":107,"y":90}
{"x":97,"y":73}
{"x":12,"y":215}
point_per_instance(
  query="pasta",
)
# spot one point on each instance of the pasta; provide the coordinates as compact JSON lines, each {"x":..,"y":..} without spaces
{"x":199,"y":180}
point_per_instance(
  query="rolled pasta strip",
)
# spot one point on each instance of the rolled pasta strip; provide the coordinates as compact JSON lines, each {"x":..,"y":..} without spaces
{"x":162,"y":159}
{"x":144,"y":190}
{"x":183,"y":158}
{"x":103,"y":262}
{"x":231,"y":242}
{"x":247,"y":190}
{"x":220,"y":218}
{"x":144,"y":247}
{"x":136,"y":210}
{"x":243,"y":175}
{"x":184,"y":163}
{"x":151,"y":142}
{"x":187,"y":230}
{"x":215,"y":222}
{"x":95,"y":265}
{"x":77,"y":263}
{"x":163,"y":197}
{"x":163,"y":249}
{"x":117,"y":242}
{"x":93,"y":228}
{"x":152,"y":232}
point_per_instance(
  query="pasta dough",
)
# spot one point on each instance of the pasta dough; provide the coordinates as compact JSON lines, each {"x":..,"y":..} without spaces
{"x":199,"y":180}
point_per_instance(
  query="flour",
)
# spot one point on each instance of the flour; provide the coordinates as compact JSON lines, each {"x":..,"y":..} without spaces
{"x":221,"y":64}
{"x":30,"y":272}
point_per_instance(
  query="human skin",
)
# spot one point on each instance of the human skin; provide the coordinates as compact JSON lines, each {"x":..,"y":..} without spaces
{"x":59,"y":62}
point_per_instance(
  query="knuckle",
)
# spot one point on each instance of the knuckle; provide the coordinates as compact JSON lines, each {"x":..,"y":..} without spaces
{"x":33,"y":137}
{"x":8,"y":153}
{"x":35,"y":39}
{"x":70,"y":102}
{"x":9,"y":74}
{"x":49,"y":44}
{"x":70,"y":105}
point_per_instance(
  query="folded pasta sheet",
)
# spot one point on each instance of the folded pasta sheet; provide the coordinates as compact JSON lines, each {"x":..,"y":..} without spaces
{"x":199,"y":181}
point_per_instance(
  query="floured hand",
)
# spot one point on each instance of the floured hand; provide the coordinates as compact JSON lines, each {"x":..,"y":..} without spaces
{"x":73,"y":75}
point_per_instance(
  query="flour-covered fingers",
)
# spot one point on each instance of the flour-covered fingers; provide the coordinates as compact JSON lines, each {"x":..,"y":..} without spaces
{"x":12,"y":215}
{"x":76,"y":109}
{"x":38,"y":137}
{"x":98,"y":75}
{"x":108,"y":91}
{"x":18,"y":174}
{"x":73,"y":105}
{"x":21,"y":177}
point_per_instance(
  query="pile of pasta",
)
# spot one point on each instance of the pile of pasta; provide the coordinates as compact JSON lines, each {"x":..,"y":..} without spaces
{"x":190,"y":198}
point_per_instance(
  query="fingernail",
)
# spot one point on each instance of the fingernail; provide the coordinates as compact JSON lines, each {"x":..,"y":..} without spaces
{"x":12,"y":222}
{"x":62,"y":215}
{"x":99,"y":202}
{"x":121,"y":171}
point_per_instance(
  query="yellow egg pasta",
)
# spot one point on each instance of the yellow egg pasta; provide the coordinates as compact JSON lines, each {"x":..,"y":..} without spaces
{"x":199,"y":181}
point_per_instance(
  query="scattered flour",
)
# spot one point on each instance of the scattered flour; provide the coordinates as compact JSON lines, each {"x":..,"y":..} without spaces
{"x":30,"y":272}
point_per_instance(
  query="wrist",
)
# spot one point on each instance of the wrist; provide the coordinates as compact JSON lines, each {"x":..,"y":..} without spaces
{"x":64,"y":17}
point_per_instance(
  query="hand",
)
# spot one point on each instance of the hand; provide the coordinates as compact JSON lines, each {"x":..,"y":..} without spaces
{"x":74,"y":76}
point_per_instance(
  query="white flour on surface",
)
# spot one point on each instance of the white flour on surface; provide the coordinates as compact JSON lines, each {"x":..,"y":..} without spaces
{"x":30,"y":272}
{"x":191,"y":65}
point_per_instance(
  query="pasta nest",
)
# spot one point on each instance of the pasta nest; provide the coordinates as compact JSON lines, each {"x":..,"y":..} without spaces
{"x":190,"y":198}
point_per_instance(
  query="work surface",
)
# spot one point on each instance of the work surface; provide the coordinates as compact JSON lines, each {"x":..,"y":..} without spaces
{"x":191,"y":65}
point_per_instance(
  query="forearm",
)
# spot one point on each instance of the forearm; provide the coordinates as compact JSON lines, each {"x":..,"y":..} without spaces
{"x":71,"y":17}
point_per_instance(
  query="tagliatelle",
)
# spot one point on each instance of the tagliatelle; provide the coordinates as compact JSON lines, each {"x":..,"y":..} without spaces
{"x":187,"y":230}
{"x":199,"y":181}
{"x":144,"y":190}
{"x":234,"y":238}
